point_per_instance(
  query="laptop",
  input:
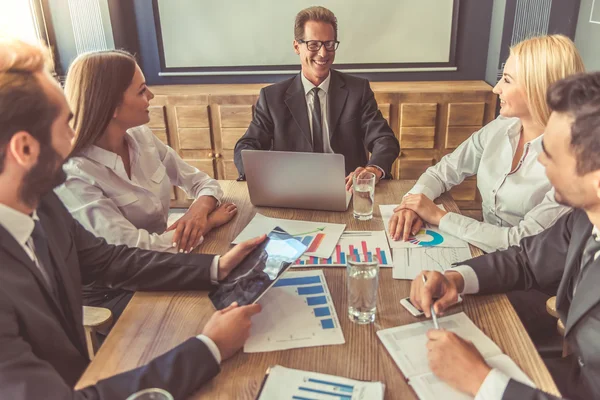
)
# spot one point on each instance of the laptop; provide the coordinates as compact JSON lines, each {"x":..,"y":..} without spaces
{"x":314,"y":181}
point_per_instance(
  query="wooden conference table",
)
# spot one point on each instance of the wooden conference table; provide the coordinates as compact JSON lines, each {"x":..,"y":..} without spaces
{"x":155,"y":322}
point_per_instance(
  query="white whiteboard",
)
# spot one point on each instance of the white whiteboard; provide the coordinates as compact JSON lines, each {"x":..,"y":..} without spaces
{"x":235,"y":33}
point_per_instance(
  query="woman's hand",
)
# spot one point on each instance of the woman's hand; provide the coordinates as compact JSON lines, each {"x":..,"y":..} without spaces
{"x":191,"y":227}
{"x":427,"y":210}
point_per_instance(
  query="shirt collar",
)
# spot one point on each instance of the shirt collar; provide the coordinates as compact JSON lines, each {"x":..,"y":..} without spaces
{"x":19,"y":225}
{"x":308,"y":86}
{"x":514,"y":130}
{"x":596,"y":234}
{"x":108,"y":158}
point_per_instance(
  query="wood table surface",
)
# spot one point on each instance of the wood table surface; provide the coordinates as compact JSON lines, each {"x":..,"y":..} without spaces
{"x":155,"y":322}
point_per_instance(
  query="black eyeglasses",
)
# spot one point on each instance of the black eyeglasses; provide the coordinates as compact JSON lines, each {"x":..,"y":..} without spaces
{"x":315,"y":45}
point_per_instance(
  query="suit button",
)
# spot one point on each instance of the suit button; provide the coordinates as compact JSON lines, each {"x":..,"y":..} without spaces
{"x":580,"y":362}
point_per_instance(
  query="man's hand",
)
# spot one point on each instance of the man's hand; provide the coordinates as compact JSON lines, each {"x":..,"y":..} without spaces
{"x":456,"y":361}
{"x":423,"y":206}
{"x":443,"y":287}
{"x":231,"y":259}
{"x":358,"y":171}
{"x":190,"y":228}
{"x":230,"y":328}
{"x":404,"y":223}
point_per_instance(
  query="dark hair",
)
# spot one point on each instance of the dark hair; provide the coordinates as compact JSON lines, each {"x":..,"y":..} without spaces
{"x":579,"y":96}
{"x":315,"y":13}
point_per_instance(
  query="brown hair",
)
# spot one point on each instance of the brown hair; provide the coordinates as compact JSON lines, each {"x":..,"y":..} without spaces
{"x":94,"y":88}
{"x":579,"y":96}
{"x":24,"y":104}
{"x":540,"y":62}
{"x":316,"y":13}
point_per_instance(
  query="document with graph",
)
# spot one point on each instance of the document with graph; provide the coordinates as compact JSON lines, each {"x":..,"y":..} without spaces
{"x":407,"y":346}
{"x":297,"y":311}
{"x":320,"y":237}
{"x":408,"y":263}
{"x":373,"y":244}
{"x":428,"y":236}
{"x":286,"y":383}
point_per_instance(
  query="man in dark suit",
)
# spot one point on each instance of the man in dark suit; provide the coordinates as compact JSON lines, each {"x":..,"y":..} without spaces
{"x":321,"y":110}
{"x":46,"y":256}
{"x":563,"y":256}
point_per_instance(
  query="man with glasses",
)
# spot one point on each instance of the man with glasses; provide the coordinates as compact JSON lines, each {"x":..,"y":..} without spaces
{"x":321,"y":110}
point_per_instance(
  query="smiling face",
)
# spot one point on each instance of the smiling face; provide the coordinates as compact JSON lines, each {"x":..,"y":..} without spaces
{"x":513,"y":100}
{"x":316,"y":64}
{"x":133,"y":109}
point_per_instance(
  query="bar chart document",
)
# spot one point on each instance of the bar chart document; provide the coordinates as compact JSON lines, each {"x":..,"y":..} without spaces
{"x":429,"y":236}
{"x":407,"y":346}
{"x":408,"y":263}
{"x":297,"y":311}
{"x":372,"y":244}
{"x":320,"y":237}
{"x":286,"y":383}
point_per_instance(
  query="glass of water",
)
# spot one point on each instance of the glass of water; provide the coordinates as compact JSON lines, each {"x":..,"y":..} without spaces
{"x":151,"y":394}
{"x":363,"y":187}
{"x":363,"y":281}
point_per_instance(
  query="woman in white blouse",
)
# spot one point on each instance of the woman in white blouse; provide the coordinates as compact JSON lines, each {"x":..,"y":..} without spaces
{"x":518,"y":200}
{"x":120,"y":176}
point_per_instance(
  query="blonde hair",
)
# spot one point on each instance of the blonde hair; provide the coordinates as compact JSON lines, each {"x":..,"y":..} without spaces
{"x":94,"y":88}
{"x":540,"y":62}
{"x":24,"y":104}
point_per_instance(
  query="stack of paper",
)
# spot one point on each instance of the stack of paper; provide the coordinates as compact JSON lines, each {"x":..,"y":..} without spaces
{"x":285,"y":383}
{"x":430,"y":249}
{"x":407,"y":346}
{"x":297,"y":311}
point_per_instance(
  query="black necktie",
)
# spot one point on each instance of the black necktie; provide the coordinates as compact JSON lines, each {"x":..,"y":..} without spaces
{"x":42,"y":252}
{"x":591,"y":248}
{"x":317,"y":128}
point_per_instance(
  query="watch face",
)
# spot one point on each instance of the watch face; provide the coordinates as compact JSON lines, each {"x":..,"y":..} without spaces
{"x":259,"y":270}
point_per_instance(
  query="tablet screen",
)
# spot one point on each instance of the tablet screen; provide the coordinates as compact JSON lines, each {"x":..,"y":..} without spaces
{"x":259,"y":270}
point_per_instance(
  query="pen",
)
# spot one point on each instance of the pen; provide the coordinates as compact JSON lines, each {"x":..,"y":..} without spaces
{"x":433,"y":316}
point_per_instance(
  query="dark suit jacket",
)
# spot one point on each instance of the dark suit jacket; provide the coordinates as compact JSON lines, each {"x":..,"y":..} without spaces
{"x":544,"y":261}
{"x":42,"y":343}
{"x":356,"y":125}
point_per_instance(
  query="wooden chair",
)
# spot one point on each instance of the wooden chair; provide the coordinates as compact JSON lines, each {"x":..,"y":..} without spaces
{"x":94,"y":320}
{"x":551,"y":308}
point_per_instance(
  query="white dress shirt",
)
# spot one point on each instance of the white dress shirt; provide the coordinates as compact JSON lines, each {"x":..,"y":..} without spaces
{"x":516,"y":204}
{"x":495,"y":383}
{"x":101,"y":196}
{"x":20,"y":226}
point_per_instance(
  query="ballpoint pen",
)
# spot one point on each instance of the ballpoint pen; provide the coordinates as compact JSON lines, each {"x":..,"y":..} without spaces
{"x":433,"y":316}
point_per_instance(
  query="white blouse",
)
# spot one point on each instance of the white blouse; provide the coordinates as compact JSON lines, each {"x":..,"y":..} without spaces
{"x":515,"y":205}
{"x":100,"y":195}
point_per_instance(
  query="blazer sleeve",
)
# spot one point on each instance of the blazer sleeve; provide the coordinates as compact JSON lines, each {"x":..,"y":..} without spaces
{"x":538,"y":263}
{"x":379,"y":139}
{"x":518,"y":390}
{"x":259,"y":135}
{"x":23,"y":375}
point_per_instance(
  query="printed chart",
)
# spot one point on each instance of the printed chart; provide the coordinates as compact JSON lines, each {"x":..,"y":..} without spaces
{"x":296,"y":312}
{"x":426,"y":238}
{"x":372,"y":243}
{"x":320,"y":237}
{"x":408,"y":263}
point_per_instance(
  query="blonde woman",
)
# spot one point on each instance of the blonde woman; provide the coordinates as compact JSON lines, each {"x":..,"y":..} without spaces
{"x":517,"y":198}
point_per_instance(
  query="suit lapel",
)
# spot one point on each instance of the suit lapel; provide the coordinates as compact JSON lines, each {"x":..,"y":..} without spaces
{"x":571,"y":268}
{"x":586,"y":295}
{"x":337,"y":99}
{"x":295,"y":100}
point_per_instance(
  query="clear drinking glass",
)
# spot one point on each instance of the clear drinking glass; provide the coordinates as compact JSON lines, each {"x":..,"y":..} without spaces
{"x":363,"y":198}
{"x":151,"y":394}
{"x":363,"y":281}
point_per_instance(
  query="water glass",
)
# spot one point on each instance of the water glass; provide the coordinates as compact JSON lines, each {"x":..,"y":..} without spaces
{"x":151,"y":394}
{"x":363,"y":187}
{"x":363,"y":281}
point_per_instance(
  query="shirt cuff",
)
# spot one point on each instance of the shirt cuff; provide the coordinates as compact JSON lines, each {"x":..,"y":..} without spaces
{"x":211,"y":346}
{"x":469,"y":277}
{"x":422,"y":189}
{"x":493,"y":386}
{"x":379,"y":168}
{"x":214,"y":270}
{"x":211,"y":193}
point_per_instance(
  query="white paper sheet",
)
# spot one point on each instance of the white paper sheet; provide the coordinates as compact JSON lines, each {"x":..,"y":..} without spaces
{"x":320,"y":237}
{"x":373,"y":242}
{"x":429,"y":236}
{"x":297,"y":311}
{"x":174,"y":215}
{"x":408,"y":263}
{"x":286,"y":383}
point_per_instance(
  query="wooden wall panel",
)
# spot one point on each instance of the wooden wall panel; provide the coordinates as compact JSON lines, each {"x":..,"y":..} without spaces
{"x":412,"y":168}
{"x":418,"y":114}
{"x":417,"y":137}
{"x":461,"y":114}
{"x":385,"y":111}
{"x":458,"y":134}
{"x":466,"y":191}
